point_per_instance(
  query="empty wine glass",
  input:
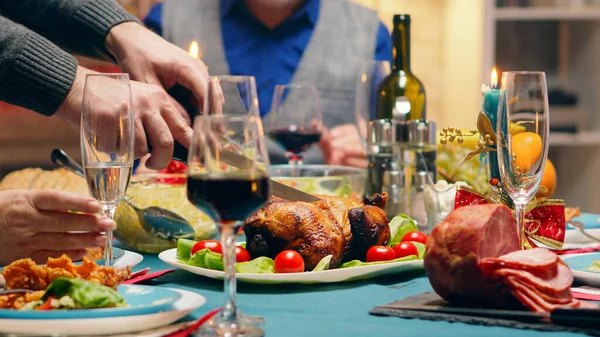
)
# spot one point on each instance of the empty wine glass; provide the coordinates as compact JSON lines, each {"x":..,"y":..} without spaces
{"x":295,"y":120}
{"x":522,"y":133}
{"x":107,"y":136}
{"x":370,"y":75}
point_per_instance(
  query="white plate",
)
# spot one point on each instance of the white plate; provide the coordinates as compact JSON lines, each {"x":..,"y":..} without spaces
{"x":327,"y":276}
{"x":188,"y":302}
{"x":129,"y":259}
{"x":574,"y":238}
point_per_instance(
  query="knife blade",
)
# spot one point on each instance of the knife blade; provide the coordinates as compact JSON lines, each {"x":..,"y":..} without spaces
{"x":240,"y":161}
{"x":568,"y":316}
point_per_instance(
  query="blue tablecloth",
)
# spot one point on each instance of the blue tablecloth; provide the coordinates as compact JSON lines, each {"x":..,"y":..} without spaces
{"x":329,"y":309}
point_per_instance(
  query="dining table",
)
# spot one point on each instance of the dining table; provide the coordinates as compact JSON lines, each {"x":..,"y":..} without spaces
{"x":330,"y":309}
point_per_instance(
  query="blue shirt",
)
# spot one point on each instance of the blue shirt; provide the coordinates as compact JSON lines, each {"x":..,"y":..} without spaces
{"x":270,"y":55}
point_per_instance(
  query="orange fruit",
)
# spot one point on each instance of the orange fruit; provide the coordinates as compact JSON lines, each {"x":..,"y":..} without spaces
{"x":548,"y":179}
{"x":527,"y":148}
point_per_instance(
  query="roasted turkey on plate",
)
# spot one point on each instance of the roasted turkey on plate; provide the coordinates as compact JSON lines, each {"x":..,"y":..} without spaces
{"x":337,"y":226}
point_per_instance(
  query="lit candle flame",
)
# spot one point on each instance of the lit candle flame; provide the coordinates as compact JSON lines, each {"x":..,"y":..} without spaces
{"x":194,"y":50}
{"x":494,"y":78}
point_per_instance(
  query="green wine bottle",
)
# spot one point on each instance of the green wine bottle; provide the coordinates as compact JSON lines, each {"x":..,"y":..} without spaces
{"x":401,"y":96}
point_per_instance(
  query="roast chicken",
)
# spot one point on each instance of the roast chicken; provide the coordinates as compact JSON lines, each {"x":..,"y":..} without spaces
{"x":341,"y":227}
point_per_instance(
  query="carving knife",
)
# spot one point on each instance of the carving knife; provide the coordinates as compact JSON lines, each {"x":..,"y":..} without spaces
{"x":180,"y":153}
{"x":240,"y":161}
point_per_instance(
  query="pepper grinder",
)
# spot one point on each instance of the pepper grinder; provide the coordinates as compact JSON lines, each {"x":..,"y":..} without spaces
{"x":421,"y":153}
{"x":383,"y":172}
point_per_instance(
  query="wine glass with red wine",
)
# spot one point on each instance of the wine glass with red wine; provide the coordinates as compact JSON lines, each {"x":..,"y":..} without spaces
{"x":295,"y":120}
{"x":228,"y":179}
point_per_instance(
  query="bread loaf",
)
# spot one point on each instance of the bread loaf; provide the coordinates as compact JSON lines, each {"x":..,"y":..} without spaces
{"x":36,"y":178}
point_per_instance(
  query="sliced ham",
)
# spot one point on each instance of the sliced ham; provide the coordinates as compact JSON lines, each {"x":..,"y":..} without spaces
{"x":563,"y":297}
{"x":540,"y":303}
{"x":473,"y":256}
{"x":556,"y":284}
{"x":535,"y":260}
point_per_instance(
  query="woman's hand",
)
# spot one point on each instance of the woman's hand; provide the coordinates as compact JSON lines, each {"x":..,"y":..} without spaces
{"x":37,"y":224}
{"x":342,"y":146}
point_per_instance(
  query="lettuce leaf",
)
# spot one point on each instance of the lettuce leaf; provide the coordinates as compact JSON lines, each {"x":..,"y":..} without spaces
{"x":420,"y":248}
{"x":359,"y":263}
{"x":86,"y":294}
{"x":260,"y":265}
{"x":184,"y":247}
{"x":399,"y":226}
{"x":206,"y":258}
{"x":323,"y":264}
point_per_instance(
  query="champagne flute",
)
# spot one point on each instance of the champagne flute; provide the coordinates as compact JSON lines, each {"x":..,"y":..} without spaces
{"x":370,"y":75}
{"x":295,"y":120}
{"x":523,"y":121}
{"x":107,"y":136}
{"x":226,"y":193}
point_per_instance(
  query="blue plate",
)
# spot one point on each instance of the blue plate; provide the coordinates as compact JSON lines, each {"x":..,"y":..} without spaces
{"x":590,"y":220}
{"x":142,"y":300}
{"x":578,"y":263}
{"x":581,"y":261}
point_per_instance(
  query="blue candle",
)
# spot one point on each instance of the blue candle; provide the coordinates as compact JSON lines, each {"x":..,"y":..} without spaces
{"x":490,"y":109}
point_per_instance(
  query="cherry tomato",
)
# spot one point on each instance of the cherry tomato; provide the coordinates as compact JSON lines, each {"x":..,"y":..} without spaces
{"x":415,"y":236}
{"x":176,"y":167}
{"x":405,"y":249}
{"x":380,"y":253}
{"x":241,"y":254}
{"x":289,"y":261}
{"x":46,"y":305}
{"x":212,"y":245}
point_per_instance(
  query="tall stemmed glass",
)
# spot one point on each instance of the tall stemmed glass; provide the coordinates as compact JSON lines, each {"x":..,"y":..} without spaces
{"x":369,"y":76}
{"x":295,"y":120}
{"x":228,"y":179}
{"x":107,"y":136}
{"x":523,"y":129}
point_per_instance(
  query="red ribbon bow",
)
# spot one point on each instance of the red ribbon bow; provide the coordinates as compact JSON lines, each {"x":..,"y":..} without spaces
{"x":545,"y":223}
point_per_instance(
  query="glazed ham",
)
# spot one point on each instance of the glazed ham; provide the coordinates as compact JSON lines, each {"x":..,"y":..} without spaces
{"x":456,"y":246}
{"x":474,"y":256}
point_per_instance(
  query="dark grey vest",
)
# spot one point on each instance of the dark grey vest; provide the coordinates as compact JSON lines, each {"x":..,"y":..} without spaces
{"x":345,"y":35}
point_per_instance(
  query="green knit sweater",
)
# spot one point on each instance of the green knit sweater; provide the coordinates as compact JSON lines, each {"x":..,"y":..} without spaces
{"x":36,"y":73}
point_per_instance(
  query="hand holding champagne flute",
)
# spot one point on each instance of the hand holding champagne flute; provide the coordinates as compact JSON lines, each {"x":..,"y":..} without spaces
{"x":107,"y":137}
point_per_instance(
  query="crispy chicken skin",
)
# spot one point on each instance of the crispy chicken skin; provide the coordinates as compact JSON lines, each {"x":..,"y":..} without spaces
{"x":303,"y":227}
{"x":370,"y":227}
{"x":338,"y":207}
{"x":317,"y":229}
{"x":25,"y":274}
